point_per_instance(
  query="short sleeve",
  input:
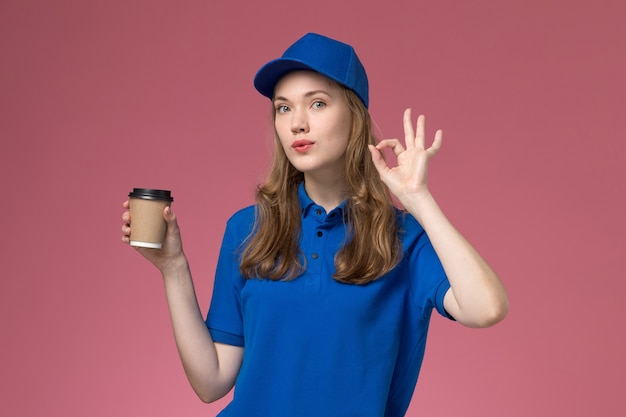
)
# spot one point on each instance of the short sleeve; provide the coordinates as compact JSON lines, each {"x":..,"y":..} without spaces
{"x":224,"y":319}
{"x":429,"y":283}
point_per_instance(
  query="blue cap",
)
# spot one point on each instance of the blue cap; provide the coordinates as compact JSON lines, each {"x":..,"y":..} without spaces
{"x":336,"y":60}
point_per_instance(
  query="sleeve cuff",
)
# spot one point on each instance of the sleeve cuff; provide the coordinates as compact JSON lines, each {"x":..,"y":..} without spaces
{"x":441,"y":293}
{"x":226,"y":338}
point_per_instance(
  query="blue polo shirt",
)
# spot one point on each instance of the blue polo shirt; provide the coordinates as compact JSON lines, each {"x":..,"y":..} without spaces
{"x":316,"y":347}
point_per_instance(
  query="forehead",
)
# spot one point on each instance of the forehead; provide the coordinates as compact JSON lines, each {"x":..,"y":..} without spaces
{"x":303,"y":81}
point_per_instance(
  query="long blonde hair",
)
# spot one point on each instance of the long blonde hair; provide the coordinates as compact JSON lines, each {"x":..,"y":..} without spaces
{"x":372,"y":246}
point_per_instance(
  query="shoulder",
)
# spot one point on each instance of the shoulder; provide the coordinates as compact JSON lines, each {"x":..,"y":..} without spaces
{"x":408,"y":225}
{"x":412,"y":234}
{"x":243,"y":215}
{"x":241,"y":223}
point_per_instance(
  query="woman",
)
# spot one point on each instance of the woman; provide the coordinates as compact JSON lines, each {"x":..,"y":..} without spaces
{"x":324,"y":290}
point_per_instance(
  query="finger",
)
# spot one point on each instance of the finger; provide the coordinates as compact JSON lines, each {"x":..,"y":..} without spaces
{"x":168,"y":214}
{"x":126,"y":232}
{"x":420,"y":141}
{"x":393,"y":144}
{"x":377,"y":159}
{"x":170,"y":218}
{"x":434,"y":148}
{"x":409,"y":133}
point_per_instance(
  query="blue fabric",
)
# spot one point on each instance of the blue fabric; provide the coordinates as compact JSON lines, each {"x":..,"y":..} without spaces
{"x":332,"y":58}
{"x":316,"y":347}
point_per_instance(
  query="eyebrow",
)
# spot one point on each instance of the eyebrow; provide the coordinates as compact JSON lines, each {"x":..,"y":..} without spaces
{"x":308,"y":94}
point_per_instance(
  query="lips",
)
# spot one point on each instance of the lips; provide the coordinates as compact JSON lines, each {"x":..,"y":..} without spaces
{"x":302,"y":145}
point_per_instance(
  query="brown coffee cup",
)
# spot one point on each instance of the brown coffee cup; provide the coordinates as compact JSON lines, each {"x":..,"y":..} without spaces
{"x":148,"y":226}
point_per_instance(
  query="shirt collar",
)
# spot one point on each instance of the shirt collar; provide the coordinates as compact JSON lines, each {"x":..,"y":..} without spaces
{"x":306,"y":204}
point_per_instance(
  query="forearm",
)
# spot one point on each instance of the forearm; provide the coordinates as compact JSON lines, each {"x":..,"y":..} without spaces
{"x":197,"y":350}
{"x":478,"y":296}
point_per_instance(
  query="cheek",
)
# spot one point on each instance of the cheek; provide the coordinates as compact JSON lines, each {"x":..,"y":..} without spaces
{"x":343,"y":131}
{"x":283,"y":145}
{"x":345,"y":122}
{"x":280,"y":133}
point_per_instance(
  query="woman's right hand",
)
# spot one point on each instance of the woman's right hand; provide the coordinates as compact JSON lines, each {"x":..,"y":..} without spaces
{"x":211,"y":368}
{"x":171,"y":253}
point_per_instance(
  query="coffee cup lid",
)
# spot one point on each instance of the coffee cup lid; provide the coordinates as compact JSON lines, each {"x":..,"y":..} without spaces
{"x":151,"y":194}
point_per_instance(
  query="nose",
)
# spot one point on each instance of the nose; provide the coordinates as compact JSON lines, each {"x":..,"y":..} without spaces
{"x":299,"y":122}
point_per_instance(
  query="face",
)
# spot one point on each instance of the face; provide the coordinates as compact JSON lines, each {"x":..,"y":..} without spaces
{"x":313,"y":122}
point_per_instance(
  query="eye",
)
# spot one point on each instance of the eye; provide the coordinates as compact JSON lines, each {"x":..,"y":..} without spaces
{"x":318,"y":104}
{"x":282,"y":108}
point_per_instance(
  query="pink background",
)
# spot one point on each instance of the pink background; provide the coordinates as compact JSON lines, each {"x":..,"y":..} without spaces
{"x":100,"y":97}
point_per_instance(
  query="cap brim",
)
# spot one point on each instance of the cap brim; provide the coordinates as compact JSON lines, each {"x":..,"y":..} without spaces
{"x":266,"y":78}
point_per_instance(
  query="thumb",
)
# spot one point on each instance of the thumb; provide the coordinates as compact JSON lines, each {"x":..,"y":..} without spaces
{"x":377,"y":159}
{"x":172,"y":222}
{"x":169,"y":216}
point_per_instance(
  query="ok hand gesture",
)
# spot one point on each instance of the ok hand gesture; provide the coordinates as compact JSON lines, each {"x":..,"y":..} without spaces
{"x":407,"y":180}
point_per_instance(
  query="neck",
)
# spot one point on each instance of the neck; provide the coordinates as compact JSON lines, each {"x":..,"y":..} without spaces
{"x":328,"y":193}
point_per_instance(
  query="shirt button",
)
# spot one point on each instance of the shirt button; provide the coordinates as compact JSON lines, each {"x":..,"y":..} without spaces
{"x":319,"y":233}
{"x":318,"y":212}
{"x":314,"y":256}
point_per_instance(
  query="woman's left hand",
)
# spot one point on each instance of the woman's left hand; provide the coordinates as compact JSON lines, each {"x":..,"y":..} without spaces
{"x":407,"y":180}
{"x":476,"y":297}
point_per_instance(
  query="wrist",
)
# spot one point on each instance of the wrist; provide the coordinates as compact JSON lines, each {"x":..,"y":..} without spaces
{"x":417,"y":200}
{"x":174,"y":266}
{"x":421,"y":205}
